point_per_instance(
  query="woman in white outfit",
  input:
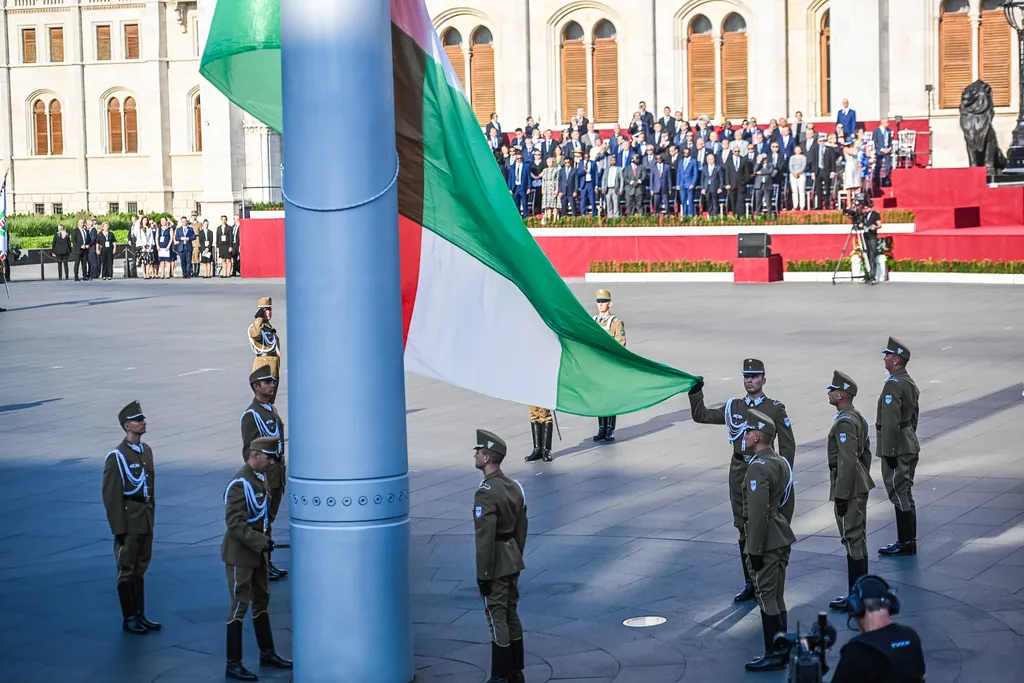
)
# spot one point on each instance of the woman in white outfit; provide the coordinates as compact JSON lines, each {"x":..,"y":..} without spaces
{"x":798,"y":179}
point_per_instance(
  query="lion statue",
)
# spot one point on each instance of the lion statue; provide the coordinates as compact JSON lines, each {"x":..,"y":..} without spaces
{"x":976,"y":114}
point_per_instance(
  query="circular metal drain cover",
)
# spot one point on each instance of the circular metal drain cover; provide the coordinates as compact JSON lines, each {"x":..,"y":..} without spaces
{"x":644,"y":622}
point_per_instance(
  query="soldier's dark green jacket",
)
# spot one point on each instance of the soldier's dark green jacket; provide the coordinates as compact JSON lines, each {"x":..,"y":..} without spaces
{"x":898,"y":412}
{"x":849,"y":456}
{"x":767,"y":480}
{"x":246,"y":506}
{"x":499,"y":517}
{"x":129,"y":514}
{"x":736,"y":409}
{"x":258,"y":420}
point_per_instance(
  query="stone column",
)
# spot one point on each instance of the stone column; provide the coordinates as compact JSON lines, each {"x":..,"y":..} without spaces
{"x":591,"y":90}
{"x":719,"y":94}
{"x":856,"y":57}
{"x":975,"y":19}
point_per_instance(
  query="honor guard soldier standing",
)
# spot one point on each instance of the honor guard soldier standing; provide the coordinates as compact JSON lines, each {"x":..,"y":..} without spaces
{"x":541,"y":426}
{"x":734,"y":416}
{"x":262,"y":419}
{"x":614,"y":326}
{"x":499,"y":518}
{"x":849,"y":466}
{"x":769,"y":537}
{"x":898,"y":447}
{"x":245,"y":552}
{"x":264,"y":340}
{"x":128,"y":497}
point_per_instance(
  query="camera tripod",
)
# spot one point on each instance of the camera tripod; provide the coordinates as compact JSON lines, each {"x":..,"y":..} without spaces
{"x":856,"y":236}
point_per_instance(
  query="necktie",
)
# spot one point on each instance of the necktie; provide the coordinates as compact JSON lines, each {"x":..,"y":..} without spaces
{"x":737,"y":163}
{"x":821,"y":156}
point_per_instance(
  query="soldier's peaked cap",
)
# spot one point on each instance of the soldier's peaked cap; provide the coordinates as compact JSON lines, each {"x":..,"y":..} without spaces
{"x":897,"y":347}
{"x":132,"y":411}
{"x":265,"y":302}
{"x":490,"y":441}
{"x":266,"y":444}
{"x":843,"y":382}
{"x":758,"y":421}
{"x":752,"y":366}
{"x":261,"y":373}
{"x":604,"y":295}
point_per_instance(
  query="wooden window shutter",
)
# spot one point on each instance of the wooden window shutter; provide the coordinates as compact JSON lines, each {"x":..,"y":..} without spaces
{"x":994,"y":60}
{"x":116,"y":140}
{"x":56,"y":44}
{"x":606,"y":80}
{"x":197,"y":121}
{"x":702,"y":75}
{"x":734,"y":74}
{"x":56,"y":128}
{"x":482,"y":81}
{"x":458,"y":60}
{"x":574,"y":78}
{"x":103,"y":43}
{"x":28,"y":45}
{"x":131,"y":127}
{"x":825,"y":59}
{"x":39,"y":119}
{"x":131,"y":41}
{"x":954,"y":58}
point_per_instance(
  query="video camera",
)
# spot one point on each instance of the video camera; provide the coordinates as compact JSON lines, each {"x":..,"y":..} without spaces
{"x":807,"y":652}
{"x":855,"y":212}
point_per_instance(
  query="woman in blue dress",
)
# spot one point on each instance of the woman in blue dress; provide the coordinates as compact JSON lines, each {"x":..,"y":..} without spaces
{"x":165,"y":252}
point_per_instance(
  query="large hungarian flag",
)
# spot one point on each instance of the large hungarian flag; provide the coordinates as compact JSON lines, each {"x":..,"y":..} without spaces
{"x":468,"y":262}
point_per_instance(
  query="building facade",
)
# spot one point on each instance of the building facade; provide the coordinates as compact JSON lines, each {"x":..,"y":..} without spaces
{"x":103,"y":107}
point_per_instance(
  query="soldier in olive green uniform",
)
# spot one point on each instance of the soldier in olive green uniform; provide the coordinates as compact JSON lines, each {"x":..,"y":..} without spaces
{"x":769,"y":538}
{"x":262,"y":419}
{"x":540,"y":424}
{"x":734,"y":416}
{"x":849,"y":466}
{"x":264,"y":340}
{"x":614,"y":326}
{"x":896,"y":428}
{"x":245,"y":552}
{"x":128,"y":496}
{"x":499,"y":517}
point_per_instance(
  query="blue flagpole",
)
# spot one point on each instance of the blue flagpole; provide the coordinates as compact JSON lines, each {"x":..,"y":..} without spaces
{"x":348,"y":471}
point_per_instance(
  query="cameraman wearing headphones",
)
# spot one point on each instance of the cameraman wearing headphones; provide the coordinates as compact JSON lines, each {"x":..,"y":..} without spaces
{"x":884,"y":652}
{"x":871,"y":220}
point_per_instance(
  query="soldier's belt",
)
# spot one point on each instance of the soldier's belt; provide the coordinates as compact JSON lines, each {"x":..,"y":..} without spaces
{"x":138,"y":498}
{"x":504,"y":537}
{"x":904,"y":425}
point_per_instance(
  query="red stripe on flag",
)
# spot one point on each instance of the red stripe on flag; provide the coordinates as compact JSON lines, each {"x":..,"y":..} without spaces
{"x":410,"y":241}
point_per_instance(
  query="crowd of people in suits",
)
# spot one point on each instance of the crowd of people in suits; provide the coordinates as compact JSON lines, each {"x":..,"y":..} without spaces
{"x":153,"y":249}
{"x":669,"y":166}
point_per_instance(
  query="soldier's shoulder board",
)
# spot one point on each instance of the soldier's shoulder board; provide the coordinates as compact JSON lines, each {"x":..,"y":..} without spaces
{"x":484,"y":485}
{"x":890,"y":378}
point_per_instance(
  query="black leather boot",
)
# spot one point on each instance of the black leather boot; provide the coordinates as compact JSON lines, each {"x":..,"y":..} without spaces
{"x":130,"y":621}
{"x":276,"y":574}
{"x":772,"y":659}
{"x":906,"y":544}
{"x":546,"y":430}
{"x":609,"y":428}
{"x":139,"y":588}
{"x":265,"y":641}
{"x":234,"y":668}
{"x":518,"y":663}
{"x":501,"y":663}
{"x":784,"y":620}
{"x":601,"y":427}
{"x":748,"y":586}
{"x":536,"y":428}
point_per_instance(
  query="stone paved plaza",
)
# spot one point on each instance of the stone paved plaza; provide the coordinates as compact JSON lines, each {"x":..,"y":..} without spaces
{"x":638,"y":527}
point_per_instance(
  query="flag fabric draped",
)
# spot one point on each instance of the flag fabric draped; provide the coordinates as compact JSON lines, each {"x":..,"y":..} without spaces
{"x":3,"y":221}
{"x":468,"y":263}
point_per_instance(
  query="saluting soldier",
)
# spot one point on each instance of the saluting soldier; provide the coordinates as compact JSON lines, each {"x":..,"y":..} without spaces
{"x":128,"y":496}
{"x":245,"y":552}
{"x":614,"y":326}
{"x":499,"y":517}
{"x":541,"y":426}
{"x":898,"y":447}
{"x":769,"y":536}
{"x":734,"y":416}
{"x":849,"y":466}
{"x":263,"y":338}
{"x":262,"y":419}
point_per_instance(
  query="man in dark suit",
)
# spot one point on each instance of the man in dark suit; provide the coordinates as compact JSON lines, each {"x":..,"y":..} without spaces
{"x":624,"y":152}
{"x":530,"y":127}
{"x":700,"y":154}
{"x":647,"y":118}
{"x":760,"y":145}
{"x":519,"y":140}
{"x":494,"y":140}
{"x":183,"y":237}
{"x":81,"y":243}
{"x":786,"y":141}
{"x":493,"y":125}
{"x":673,"y":160}
{"x":660,"y":183}
{"x":579,"y":122}
{"x":668,"y":123}
{"x":882,"y":137}
{"x":810,"y":146}
{"x":94,"y":254}
{"x":548,"y":144}
{"x":799,"y":128}
{"x":763,"y":175}
{"x":519,"y":181}
{"x":236,"y":244}
{"x":567,"y":188}
{"x":586,"y":181}
{"x":711,"y":186}
{"x":824,"y":173}
{"x":686,"y":182}
{"x":573,"y":145}
{"x":847,"y":117}
{"x":736,"y":174}
{"x":635,"y":177}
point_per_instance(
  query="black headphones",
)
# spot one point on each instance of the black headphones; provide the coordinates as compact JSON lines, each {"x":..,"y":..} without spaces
{"x":856,"y":599}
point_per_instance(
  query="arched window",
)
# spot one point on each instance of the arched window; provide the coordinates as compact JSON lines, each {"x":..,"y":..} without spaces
{"x":701,"y":57}
{"x":574,"y":71}
{"x":40,"y":125}
{"x":734,"y":67}
{"x":606,"y":73}
{"x":122,"y":127}
{"x":197,"y":124}
{"x":994,"y":57}
{"x":56,"y":129}
{"x":481,"y":74}
{"x":452,"y":41}
{"x":825,"y":59}
{"x":955,"y":52}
